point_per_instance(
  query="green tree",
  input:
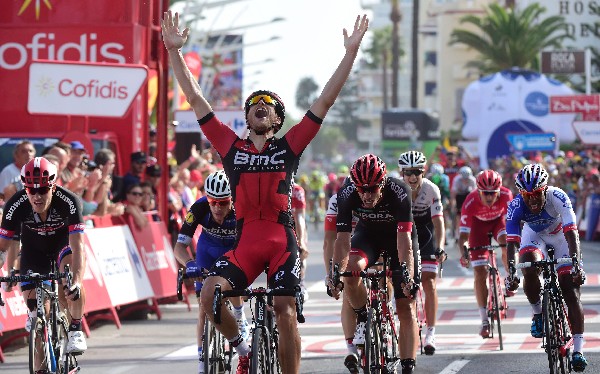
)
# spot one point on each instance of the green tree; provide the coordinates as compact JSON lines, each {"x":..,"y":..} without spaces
{"x":507,"y":38}
{"x":378,"y":56}
{"x":306,"y":93}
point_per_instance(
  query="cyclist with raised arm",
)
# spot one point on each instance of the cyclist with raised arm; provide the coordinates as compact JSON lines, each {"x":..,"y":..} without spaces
{"x":215,"y":213}
{"x":462,"y":185}
{"x":48,"y":218}
{"x":260,"y":170}
{"x":483,"y":211}
{"x":384,"y":210}
{"x":428,"y":215}
{"x":549,"y":219}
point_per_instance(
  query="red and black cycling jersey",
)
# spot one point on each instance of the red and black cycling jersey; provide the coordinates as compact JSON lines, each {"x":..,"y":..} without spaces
{"x":392,"y":213}
{"x":49,"y":236}
{"x":261,"y":180}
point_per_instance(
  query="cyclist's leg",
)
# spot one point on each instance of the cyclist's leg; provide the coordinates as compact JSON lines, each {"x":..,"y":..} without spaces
{"x":428,"y":278}
{"x":479,"y":260}
{"x":77,"y":343}
{"x":284,"y":272}
{"x":532,"y":249}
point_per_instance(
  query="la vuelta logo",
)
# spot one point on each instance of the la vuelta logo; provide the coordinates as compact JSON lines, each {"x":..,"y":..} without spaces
{"x":15,"y":55}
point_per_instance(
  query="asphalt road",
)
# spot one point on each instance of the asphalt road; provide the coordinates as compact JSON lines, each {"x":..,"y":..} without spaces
{"x":168,"y":345}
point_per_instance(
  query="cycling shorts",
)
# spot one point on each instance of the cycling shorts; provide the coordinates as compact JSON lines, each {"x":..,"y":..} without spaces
{"x":40,"y":263}
{"x":460,"y":199}
{"x":427,"y":247}
{"x":371,"y":247}
{"x":478,"y":237}
{"x":205,"y":258}
{"x":532,"y":241}
{"x":261,"y":244}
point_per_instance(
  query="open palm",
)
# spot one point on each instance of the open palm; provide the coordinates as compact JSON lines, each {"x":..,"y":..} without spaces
{"x":172,"y":38}
{"x":352,"y":42}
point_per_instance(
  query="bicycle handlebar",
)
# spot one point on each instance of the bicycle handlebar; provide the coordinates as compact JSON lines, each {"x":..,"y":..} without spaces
{"x":564,"y":260}
{"x":37,"y":277}
{"x":258,"y":292}
{"x":181,"y":276}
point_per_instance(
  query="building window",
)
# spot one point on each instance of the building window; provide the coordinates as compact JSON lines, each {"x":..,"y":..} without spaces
{"x":430,"y":88}
{"x":431,"y":58}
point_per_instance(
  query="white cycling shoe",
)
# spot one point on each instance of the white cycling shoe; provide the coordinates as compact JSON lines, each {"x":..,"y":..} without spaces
{"x":76,"y":344}
{"x":359,"y":334}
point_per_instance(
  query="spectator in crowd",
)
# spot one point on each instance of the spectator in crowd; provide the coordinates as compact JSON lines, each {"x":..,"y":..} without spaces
{"x":23,"y":152}
{"x":133,"y":205}
{"x":149,"y":198}
{"x":181,"y":185}
{"x":63,"y":158}
{"x":153,"y":174}
{"x":196,"y":184}
{"x":134,"y":175}
{"x":105,"y":162}
{"x":73,"y":167}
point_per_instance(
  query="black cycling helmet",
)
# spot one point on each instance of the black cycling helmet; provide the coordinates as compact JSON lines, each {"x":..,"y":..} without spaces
{"x":279,"y":105}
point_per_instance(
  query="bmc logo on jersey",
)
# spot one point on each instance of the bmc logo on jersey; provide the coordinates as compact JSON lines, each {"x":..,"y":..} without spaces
{"x":259,"y":160}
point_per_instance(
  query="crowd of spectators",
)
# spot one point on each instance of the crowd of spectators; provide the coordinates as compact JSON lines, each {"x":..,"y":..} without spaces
{"x":134,"y":193}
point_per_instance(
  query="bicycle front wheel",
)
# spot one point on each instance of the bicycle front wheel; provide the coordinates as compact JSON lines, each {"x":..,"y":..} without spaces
{"x":550,"y":342}
{"x":213,"y":348}
{"x":261,"y":360}
{"x":39,"y":347}
{"x":373,"y":353}
{"x":496,"y":297}
{"x":67,"y":363}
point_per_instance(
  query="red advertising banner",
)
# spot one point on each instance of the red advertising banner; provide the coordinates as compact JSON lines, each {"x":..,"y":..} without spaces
{"x":587,"y":105}
{"x":14,"y":312}
{"x":154,"y":247}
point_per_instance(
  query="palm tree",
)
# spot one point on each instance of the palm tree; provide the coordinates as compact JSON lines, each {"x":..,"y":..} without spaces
{"x":509,"y":38}
{"x":378,"y":54}
{"x":395,"y":17}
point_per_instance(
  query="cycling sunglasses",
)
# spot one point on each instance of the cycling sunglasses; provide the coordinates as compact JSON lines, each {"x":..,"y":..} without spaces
{"x":266,"y":98}
{"x":136,"y":193}
{"x":371,"y":189}
{"x":39,"y":190}
{"x":416,"y":172}
{"x":534,"y":193}
{"x":223,"y":202}
{"x":488,"y":193}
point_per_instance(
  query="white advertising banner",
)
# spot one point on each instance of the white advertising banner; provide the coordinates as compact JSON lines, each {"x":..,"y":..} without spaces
{"x":122,"y":269}
{"x":512,"y":102}
{"x":588,"y":131}
{"x":234,"y":119}
{"x":83,"y":89}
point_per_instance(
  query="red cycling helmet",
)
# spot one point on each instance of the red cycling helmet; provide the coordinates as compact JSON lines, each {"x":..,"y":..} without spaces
{"x":489,"y":180}
{"x":38,"y":172}
{"x":368,"y":171}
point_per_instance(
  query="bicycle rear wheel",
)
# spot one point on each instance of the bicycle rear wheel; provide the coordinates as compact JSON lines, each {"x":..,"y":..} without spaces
{"x":213,"y":349}
{"x":39,"y":347}
{"x":496,"y":297}
{"x":550,"y":342}
{"x":261,"y":360}
{"x":373,"y":355}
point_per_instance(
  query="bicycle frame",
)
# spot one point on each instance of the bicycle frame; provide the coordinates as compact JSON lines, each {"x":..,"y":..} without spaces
{"x":265,"y":337}
{"x":557,"y":340}
{"x":380,"y":353}
{"x":421,"y":316}
{"x":48,"y":333}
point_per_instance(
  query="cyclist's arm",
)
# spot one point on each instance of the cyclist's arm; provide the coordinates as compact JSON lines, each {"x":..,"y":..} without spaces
{"x":189,"y":85}
{"x":572,"y":237}
{"x":405,"y":249}
{"x":440,"y":230}
{"x":333,"y":87}
{"x":300,"y":220}
{"x":328,"y":243}
{"x":341,"y":249}
{"x":76,"y":243}
{"x":511,"y":251}
{"x":181,"y":253}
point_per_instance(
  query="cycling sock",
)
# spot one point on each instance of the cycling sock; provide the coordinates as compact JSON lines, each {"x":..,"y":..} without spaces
{"x":537,"y":307}
{"x":578,"y":343}
{"x":350,"y":346}
{"x":238,"y":312}
{"x":75,"y":325}
{"x":200,"y":354}
{"x":431,"y":330}
{"x":240,"y":345}
{"x":483,"y":314}
{"x":361,"y":314}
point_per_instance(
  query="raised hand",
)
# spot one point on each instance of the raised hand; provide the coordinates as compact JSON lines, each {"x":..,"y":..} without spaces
{"x":352,"y":42}
{"x":172,"y":37}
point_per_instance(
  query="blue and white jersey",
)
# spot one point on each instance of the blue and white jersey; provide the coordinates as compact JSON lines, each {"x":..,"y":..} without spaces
{"x":556,"y":214}
{"x":214,"y":235}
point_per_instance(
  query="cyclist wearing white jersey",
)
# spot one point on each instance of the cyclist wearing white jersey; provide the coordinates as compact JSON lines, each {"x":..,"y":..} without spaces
{"x":428,"y":215}
{"x":549,"y":219}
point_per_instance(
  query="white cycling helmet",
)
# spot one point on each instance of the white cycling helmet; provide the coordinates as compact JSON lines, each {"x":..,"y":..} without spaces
{"x":465,"y":172}
{"x":412,"y":160}
{"x":217,"y":185}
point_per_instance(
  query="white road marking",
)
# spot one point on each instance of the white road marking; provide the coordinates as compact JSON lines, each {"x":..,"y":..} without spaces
{"x":454,"y":367}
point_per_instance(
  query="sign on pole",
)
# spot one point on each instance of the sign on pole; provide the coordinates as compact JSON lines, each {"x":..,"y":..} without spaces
{"x":533,"y":142}
{"x":587,"y":105}
{"x":563,"y":62}
{"x":83,"y":88}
